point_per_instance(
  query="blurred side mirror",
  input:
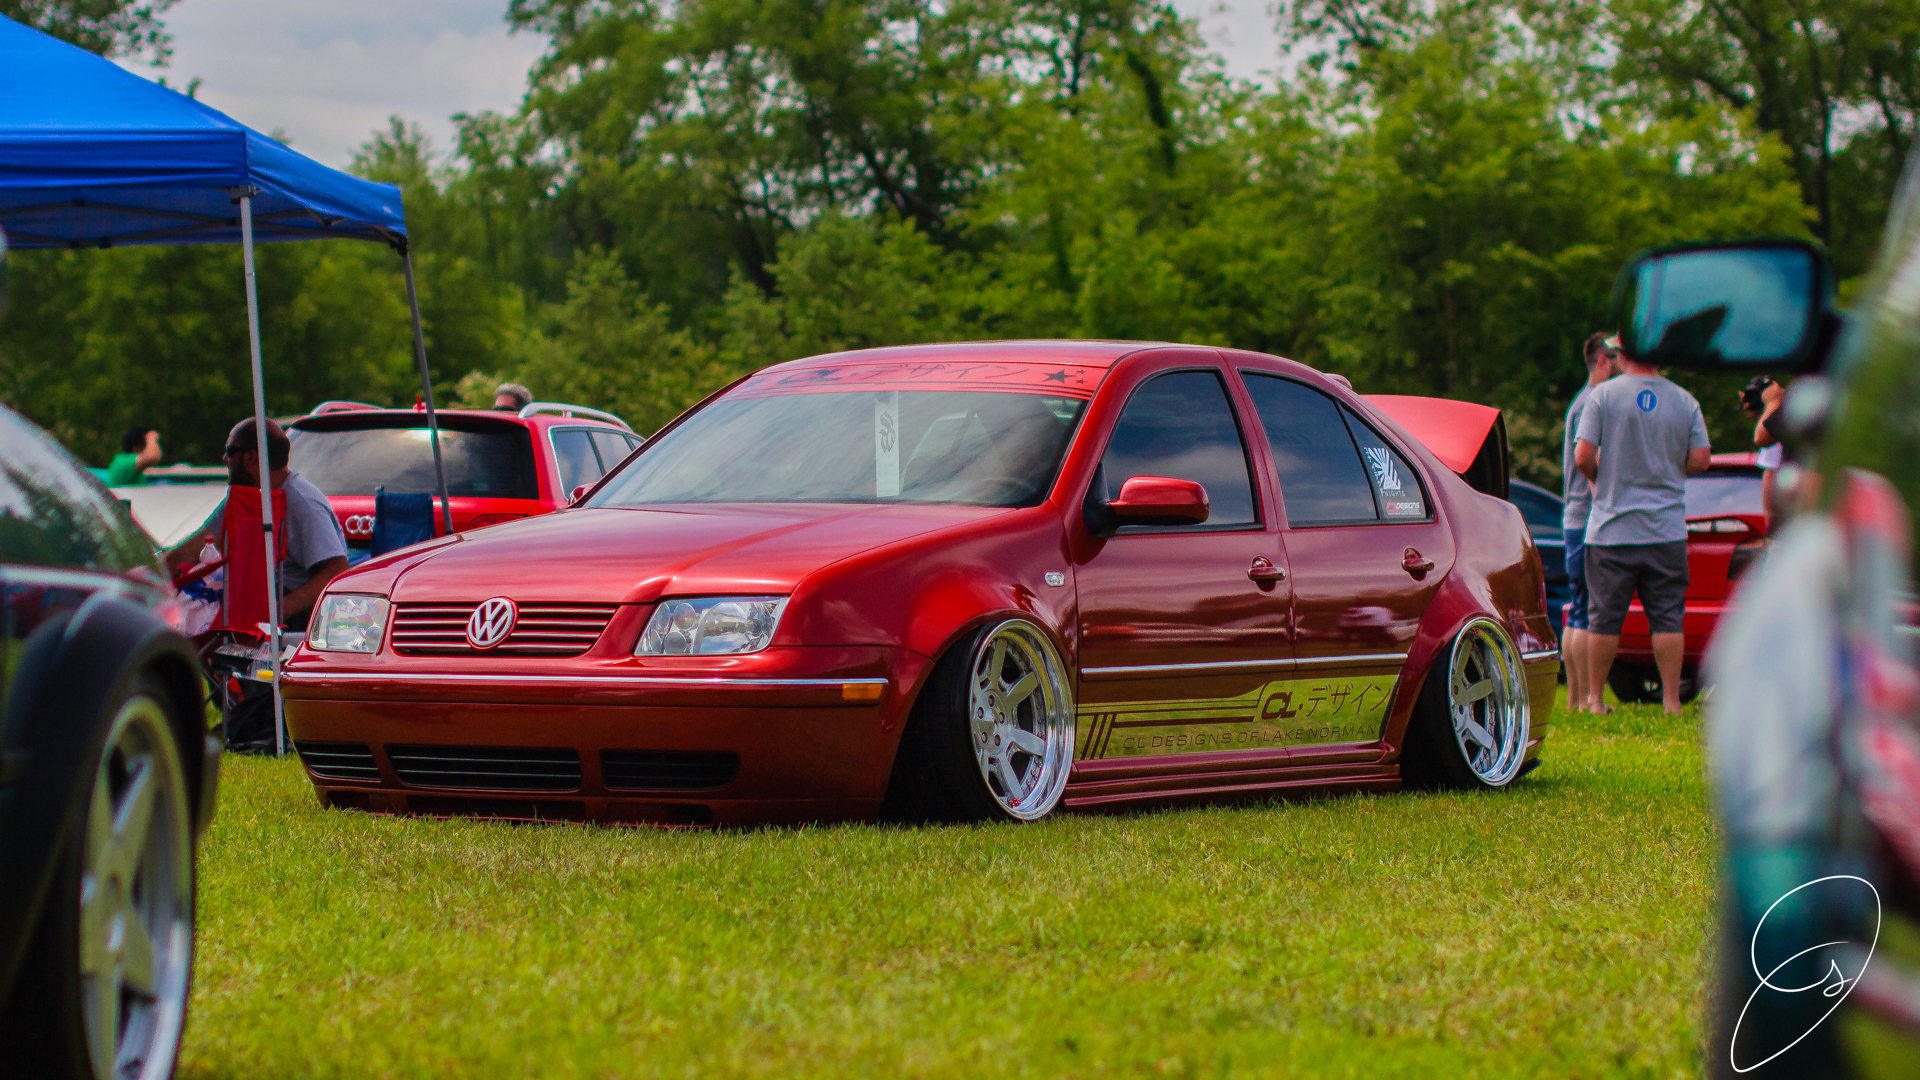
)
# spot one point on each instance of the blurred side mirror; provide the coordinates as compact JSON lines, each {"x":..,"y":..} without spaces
{"x":578,"y":493}
{"x":1744,"y":306}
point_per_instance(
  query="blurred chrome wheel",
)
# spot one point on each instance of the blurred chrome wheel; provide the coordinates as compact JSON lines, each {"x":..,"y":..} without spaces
{"x":1487,"y":702}
{"x":136,"y":898}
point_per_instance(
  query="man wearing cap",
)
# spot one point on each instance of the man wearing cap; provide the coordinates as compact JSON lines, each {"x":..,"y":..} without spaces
{"x":1640,"y":437}
{"x":1601,"y":354}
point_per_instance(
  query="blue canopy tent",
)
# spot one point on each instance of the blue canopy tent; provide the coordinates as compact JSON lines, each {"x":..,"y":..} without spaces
{"x":94,"y":156}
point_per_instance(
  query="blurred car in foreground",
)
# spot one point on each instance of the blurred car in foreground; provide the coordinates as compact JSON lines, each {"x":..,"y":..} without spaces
{"x":1813,"y":729}
{"x":500,"y":466}
{"x":1726,"y":539}
{"x":985,"y":580}
{"x":107,"y":779}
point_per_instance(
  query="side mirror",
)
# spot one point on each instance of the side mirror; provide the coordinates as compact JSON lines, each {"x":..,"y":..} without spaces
{"x":1745,"y":306}
{"x":574,"y":498}
{"x":1159,"y":500}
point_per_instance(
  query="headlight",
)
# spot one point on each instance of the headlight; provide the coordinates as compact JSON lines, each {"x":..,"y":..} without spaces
{"x":711,"y":627}
{"x":349,"y":622}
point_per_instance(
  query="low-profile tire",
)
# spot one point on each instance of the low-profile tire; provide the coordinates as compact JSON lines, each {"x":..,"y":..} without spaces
{"x":1639,"y":684}
{"x":1470,"y":725}
{"x":991,"y":736}
{"x":103,"y":991}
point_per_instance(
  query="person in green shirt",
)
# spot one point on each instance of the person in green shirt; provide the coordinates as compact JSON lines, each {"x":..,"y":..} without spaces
{"x":139,"y":451}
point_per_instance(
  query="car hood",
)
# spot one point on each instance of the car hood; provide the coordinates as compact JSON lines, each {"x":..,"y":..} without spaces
{"x":607,"y":555}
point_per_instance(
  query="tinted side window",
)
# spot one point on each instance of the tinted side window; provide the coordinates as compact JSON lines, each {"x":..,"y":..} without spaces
{"x":1395,"y":483}
{"x":1322,"y":480}
{"x":52,"y":514}
{"x":573,"y":450}
{"x":613,"y":448}
{"x":1181,"y":425}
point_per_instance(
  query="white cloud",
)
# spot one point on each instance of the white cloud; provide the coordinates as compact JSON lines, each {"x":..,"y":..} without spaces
{"x":328,"y":75}
{"x":1241,"y":31}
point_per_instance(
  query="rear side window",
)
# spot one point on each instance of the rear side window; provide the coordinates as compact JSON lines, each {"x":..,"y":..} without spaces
{"x":496,"y":464}
{"x":614,"y":448}
{"x":573,"y":451}
{"x":1395,"y":485}
{"x":1182,"y":425}
{"x":1322,"y":479}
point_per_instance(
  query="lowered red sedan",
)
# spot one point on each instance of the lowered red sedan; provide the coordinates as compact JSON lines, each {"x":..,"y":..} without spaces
{"x":975,"y":581}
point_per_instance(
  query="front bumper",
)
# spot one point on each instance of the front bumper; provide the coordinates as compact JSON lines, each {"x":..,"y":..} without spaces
{"x":814,"y":730}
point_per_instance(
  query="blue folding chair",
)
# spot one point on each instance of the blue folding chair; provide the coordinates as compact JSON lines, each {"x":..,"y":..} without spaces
{"x":400,"y":519}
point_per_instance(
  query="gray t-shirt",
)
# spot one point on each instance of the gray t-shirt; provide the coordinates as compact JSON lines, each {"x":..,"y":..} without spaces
{"x":1644,"y":426}
{"x":1573,"y":486}
{"x":313,"y":533}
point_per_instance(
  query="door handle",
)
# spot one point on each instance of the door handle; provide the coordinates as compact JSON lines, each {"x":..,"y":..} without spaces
{"x":1415,"y":563}
{"x":1263,"y":573}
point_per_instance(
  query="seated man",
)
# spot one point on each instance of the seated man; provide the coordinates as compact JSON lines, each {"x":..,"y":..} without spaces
{"x":316,"y":545}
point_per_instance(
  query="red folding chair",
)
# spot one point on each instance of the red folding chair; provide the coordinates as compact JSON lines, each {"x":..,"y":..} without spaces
{"x":234,"y":650}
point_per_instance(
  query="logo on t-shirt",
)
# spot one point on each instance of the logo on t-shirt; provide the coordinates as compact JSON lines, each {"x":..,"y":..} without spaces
{"x":1646,"y":401}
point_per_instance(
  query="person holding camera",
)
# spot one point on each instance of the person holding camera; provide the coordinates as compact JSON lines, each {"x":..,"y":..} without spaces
{"x":1761,"y":401}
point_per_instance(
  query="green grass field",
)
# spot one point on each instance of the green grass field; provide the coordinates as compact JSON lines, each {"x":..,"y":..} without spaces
{"x":1554,"y":930}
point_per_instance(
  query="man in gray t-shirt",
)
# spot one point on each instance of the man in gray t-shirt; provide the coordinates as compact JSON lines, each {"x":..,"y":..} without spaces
{"x":1601,"y":354}
{"x":1640,"y":437}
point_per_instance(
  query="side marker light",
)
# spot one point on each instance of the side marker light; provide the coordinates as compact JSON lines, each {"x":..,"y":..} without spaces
{"x":854,"y":691}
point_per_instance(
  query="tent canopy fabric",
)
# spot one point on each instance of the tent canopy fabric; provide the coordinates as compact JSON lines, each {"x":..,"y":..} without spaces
{"x":92,"y":155}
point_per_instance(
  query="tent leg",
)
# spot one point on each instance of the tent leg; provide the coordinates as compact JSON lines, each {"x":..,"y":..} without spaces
{"x":266,"y":473}
{"x":426,"y":390}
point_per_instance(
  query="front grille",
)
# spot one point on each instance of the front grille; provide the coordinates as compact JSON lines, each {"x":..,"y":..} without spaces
{"x":541,"y":629}
{"x":494,"y":768}
{"x":668,"y":770}
{"x":338,"y":760}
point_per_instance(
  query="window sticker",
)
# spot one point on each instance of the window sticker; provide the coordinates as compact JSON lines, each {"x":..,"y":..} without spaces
{"x":1386,"y":476}
{"x":886,"y":445}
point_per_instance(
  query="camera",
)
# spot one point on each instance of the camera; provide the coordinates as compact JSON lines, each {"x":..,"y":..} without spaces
{"x":1750,"y":395}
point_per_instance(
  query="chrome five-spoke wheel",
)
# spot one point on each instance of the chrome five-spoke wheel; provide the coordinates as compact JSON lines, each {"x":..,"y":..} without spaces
{"x":136,"y":898}
{"x":1487,"y":702}
{"x":1020,"y":715}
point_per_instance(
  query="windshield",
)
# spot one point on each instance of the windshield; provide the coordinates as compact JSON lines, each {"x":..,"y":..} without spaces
{"x":494,"y":464}
{"x":970,"y":448}
{"x":1716,"y":492}
{"x":1541,"y":512}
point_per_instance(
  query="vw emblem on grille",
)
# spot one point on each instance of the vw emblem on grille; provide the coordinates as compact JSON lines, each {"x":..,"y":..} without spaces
{"x":491,"y":622}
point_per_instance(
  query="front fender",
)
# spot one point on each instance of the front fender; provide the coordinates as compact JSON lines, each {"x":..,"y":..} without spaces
{"x":71,"y":669}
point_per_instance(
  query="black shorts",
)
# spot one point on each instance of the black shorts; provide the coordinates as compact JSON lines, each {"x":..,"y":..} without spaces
{"x":1658,"y":572}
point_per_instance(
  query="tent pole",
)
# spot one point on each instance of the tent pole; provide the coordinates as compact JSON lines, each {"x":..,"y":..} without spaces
{"x":426,"y":388}
{"x":265,"y":470}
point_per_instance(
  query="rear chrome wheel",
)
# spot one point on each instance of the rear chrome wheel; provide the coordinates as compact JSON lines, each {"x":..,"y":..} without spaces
{"x":136,"y":898}
{"x":1021,"y":718}
{"x":1471,"y":724}
{"x":1487,"y":702}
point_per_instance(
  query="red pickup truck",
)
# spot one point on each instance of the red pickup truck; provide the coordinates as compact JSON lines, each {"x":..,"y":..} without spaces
{"x":500,"y":465}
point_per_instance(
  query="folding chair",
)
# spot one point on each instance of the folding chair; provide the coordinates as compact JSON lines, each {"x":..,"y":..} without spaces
{"x":400,"y":519}
{"x":236,"y":652}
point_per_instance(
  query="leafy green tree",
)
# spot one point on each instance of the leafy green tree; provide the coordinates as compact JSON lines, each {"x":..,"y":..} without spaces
{"x":107,"y":27}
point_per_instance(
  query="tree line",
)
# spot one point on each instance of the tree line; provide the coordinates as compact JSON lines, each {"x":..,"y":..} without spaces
{"x":1433,"y":199}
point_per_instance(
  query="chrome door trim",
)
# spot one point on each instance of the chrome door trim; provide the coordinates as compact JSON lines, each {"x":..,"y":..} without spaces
{"x":1230,"y":666}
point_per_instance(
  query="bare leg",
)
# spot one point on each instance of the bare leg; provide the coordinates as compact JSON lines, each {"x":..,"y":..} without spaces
{"x":1668,"y":650}
{"x":1601,"y":649}
{"x":1573,"y":653}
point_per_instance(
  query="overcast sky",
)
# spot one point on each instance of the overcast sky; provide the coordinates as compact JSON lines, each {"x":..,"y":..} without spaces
{"x":328,"y":74}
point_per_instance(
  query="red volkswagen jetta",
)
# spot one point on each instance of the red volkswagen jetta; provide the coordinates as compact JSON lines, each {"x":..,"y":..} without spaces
{"x":956,"y":582}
